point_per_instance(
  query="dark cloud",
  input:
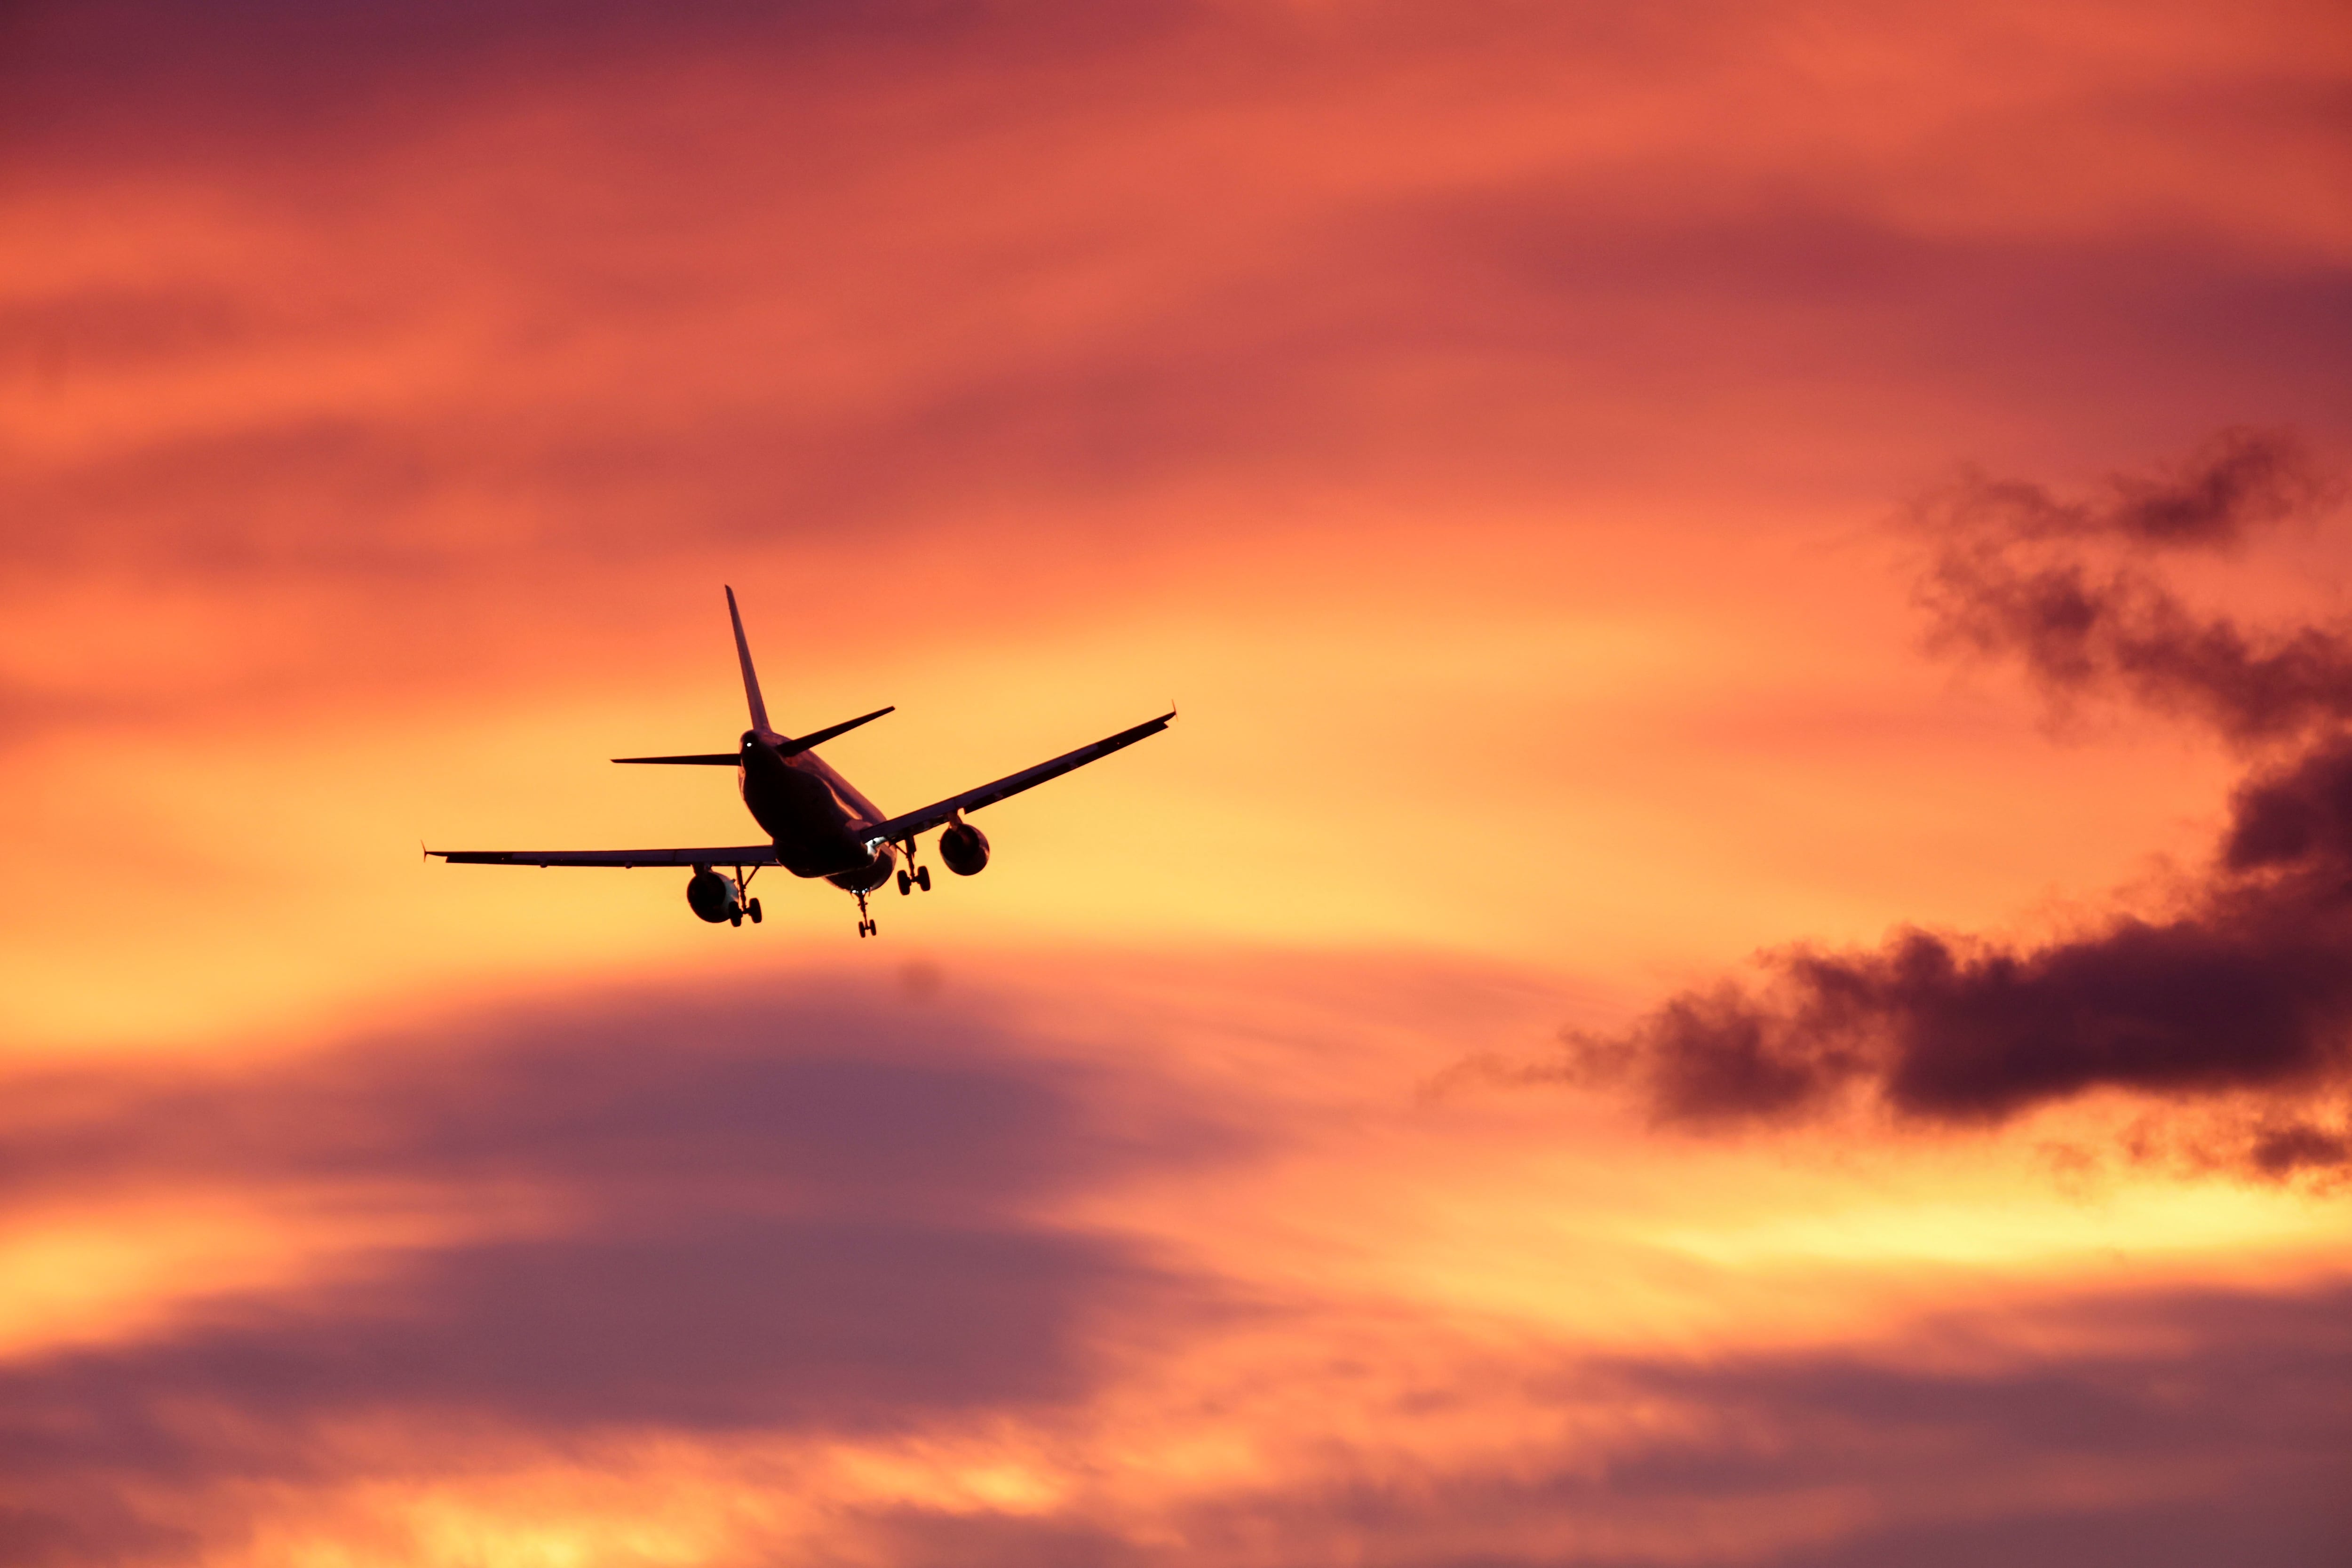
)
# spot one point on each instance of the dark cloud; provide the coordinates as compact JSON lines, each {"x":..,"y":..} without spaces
{"x":2239,"y":481}
{"x":809,"y":1209}
{"x":2171,"y":1429}
{"x":2252,"y":992}
{"x":700,"y":1322}
{"x":828,"y":1095}
{"x":2178,"y":1429}
{"x":2295,"y":1527}
{"x":2013,"y":575}
{"x":150,"y":79}
{"x":1838,"y":292}
{"x":77,"y":1527}
{"x":2296,"y":821}
{"x":2244,"y":988}
{"x":2229,"y":1435}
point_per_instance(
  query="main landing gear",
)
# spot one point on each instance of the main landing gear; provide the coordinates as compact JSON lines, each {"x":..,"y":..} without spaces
{"x":866,"y":926}
{"x":714,"y":896}
{"x":914,"y":876}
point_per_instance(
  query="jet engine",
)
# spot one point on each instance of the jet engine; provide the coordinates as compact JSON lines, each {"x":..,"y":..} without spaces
{"x":965,"y":849}
{"x":715,"y":896}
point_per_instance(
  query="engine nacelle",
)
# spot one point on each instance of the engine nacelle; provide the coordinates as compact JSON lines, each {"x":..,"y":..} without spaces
{"x":965,"y":849}
{"x":714,"y":896}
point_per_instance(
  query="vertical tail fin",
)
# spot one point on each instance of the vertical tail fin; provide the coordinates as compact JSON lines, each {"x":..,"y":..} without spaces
{"x":750,"y":677}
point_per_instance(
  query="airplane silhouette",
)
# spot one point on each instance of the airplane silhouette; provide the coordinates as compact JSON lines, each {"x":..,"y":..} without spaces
{"x":817,"y":823}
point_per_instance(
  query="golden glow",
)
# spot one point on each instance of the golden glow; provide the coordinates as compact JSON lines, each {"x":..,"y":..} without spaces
{"x":1482,"y":424}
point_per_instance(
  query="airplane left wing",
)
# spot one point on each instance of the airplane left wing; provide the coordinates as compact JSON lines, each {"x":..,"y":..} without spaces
{"x":899,"y":829}
{"x":746,"y":855}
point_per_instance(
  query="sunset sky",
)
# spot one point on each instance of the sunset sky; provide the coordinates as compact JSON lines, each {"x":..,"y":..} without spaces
{"x":1741,"y":953}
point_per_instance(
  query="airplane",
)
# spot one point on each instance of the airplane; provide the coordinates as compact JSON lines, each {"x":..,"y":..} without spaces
{"x":817,"y":823}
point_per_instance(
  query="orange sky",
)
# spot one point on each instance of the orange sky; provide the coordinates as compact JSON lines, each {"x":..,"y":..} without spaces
{"x":1489,"y":424}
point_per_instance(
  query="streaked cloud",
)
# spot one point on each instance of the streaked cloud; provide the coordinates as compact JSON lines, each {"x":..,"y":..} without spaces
{"x":830,"y":1269}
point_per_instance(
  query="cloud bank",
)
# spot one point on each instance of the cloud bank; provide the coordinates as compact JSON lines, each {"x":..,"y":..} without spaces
{"x":816,"y":1213}
{"x":2245,"y":988}
{"x":812,"y":1221}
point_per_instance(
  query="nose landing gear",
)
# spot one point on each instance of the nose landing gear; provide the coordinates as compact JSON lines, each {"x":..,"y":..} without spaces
{"x":866,"y":926}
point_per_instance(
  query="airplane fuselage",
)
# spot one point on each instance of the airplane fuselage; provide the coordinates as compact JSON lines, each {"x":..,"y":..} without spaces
{"x":819,"y":821}
{"x":817,"y":824}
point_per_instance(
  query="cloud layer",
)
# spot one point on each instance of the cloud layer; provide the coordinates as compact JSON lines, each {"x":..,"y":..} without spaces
{"x":816,"y":1213}
{"x":804,"y":1268}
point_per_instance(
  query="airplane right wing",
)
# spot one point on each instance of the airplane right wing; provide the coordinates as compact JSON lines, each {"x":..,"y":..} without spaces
{"x":899,"y":829}
{"x":744,"y":854}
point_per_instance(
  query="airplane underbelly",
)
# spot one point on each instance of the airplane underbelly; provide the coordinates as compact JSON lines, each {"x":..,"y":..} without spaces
{"x":834,"y":859}
{"x":865,"y":878}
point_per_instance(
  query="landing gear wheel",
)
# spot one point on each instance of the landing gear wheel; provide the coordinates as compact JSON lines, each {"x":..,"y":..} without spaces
{"x":906,"y":884}
{"x":867,"y":928}
{"x":753,"y":908}
{"x":922,"y":878}
{"x":736,"y":920}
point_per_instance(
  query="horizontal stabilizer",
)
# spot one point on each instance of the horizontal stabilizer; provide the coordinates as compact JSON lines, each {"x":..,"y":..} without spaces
{"x":794,"y":748}
{"x":700,"y":759}
{"x":741,"y":855}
